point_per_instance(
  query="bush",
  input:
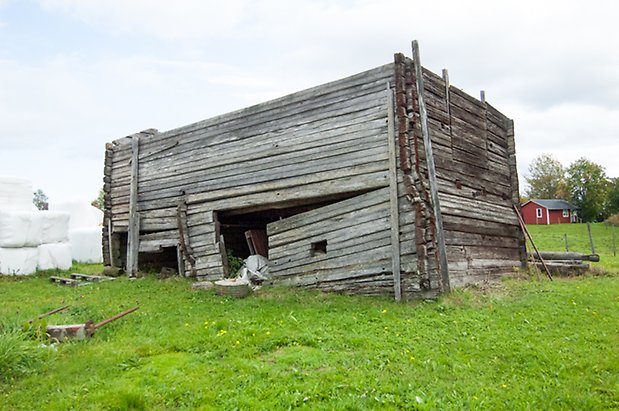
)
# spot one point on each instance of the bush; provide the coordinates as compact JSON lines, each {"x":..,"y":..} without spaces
{"x":18,"y":355}
{"x":234,"y":263}
{"x":612,"y":220}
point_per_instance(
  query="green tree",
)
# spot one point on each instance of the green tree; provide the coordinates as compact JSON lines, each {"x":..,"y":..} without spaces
{"x":546,"y":178}
{"x":39,"y":199}
{"x":612,"y":199}
{"x":99,"y":202}
{"x":588,"y":186}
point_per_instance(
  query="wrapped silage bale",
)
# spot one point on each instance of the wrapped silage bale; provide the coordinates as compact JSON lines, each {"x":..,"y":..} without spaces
{"x":52,"y":256}
{"x":82,"y":213}
{"x":86,"y":245}
{"x":85,"y":233}
{"x":54,"y":226}
{"x":20,"y":228}
{"x":18,"y":261}
{"x":15,"y":194}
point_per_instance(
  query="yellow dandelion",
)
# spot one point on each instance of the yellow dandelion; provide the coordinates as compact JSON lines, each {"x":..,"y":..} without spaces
{"x":504,"y":385}
{"x":268,"y":332}
{"x":383,"y":311}
{"x":237,"y":342}
{"x":412,"y":358}
{"x":186,"y":325}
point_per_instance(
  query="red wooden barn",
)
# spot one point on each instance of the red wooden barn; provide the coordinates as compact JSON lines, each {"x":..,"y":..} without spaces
{"x":548,"y":212}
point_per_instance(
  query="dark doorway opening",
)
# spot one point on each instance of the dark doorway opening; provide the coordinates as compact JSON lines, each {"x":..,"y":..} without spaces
{"x":235,"y":224}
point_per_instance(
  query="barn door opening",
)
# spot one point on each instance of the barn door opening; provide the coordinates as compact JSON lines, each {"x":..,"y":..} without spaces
{"x":244,"y":231}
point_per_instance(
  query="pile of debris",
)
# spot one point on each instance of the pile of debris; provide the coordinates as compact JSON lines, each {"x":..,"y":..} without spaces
{"x":253,"y":273}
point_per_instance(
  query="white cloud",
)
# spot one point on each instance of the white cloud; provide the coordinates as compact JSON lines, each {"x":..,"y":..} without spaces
{"x":170,"y":20}
{"x":549,"y":65}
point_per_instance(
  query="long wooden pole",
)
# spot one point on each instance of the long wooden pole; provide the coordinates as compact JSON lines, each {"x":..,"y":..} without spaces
{"x":524,"y":228}
{"x":133,"y":235}
{"x":427,"y":143}
{"x":393,"y":197}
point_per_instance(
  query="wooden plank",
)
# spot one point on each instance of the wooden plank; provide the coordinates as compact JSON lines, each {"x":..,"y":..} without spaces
{"x":348,"y":272}
{"x":337,"y":116}
{"x":393,"y":197}
{"x":133,"y":238}
{"x":257,"y":171}
{"x":440,"y":235}
{"x":293,"y":101}
{"x":374,"y":233}
{"x":336,"y":209}
{"x":354,"y":179}
{"x":293,"y":135}
{"x":331,"y":224}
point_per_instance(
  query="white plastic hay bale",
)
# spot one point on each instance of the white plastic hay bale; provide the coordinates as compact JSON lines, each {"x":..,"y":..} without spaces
{"x":18,"y":261}
{"x":55,"y":226}
{"x":15,"y":194}
{"x":86,"y":245}
{"x":82,"y":214}
{"x":52,"y":256}
{"x":20,"y":228}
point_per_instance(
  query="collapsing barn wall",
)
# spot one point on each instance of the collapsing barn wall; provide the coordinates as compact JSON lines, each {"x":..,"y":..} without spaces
{"x":272,"y":161}
{"x":476,"y":179}
{"x":336,"y":177}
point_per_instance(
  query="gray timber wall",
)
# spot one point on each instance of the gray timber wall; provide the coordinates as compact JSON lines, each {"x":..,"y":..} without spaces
{"x":474,"y":154}
{"x":320,"y":143}
{"x":332,"y":143}
{"x":357,"y":246}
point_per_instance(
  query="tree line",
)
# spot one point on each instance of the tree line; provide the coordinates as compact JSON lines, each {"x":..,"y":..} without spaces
{"x":583,"y":183}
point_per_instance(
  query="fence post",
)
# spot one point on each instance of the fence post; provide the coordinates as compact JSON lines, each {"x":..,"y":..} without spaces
{"x":567,"y":247}
{"x":614,"y":243}
{"x":590,"y":238}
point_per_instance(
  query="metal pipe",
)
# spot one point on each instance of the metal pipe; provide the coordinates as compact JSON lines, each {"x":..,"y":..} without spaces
{"x":116,"y":317}
{"x":57,"y":310}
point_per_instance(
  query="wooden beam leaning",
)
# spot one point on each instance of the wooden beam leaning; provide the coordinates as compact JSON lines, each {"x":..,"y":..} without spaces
{"x":133,"y":237}
{"x":423,"y":114}
{"x":393,"y":197}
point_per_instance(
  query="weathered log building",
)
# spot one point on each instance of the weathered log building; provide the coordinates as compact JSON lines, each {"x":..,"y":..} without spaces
{"x":390,"y":181}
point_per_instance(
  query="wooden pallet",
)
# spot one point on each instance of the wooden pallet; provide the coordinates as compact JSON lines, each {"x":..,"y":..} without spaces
{"x":65,"y":281}
{"x":90,"y":278}
{"x":79,"y":279}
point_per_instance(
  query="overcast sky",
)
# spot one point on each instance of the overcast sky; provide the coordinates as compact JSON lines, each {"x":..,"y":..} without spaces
{"x":75,"y":74}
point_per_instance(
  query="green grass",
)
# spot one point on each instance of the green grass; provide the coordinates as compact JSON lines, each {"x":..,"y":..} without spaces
{"x":551,"y":238}
{"x":524,"y":344}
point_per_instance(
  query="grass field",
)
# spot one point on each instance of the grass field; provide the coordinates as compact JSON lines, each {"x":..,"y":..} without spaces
{"x":552,"y":238}
{"x":524,"y":344}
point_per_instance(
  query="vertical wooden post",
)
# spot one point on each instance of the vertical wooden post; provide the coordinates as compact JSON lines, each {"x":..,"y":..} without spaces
{"x":448,"y":107}
{"x":179,"y":261}
{"x":133,"y":236}
{"x":110,"y":247}
{"x":427,"y":142}
{"x":614,"y":243}
{"x":482,"y":96}
{"x":514,"y":186}
{"x":591,"y":238}
{"x":393,"y":197}
{"x":567,"y":247}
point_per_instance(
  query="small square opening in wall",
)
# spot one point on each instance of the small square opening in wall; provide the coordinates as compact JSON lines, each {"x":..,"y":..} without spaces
{"x":319,"y":248}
